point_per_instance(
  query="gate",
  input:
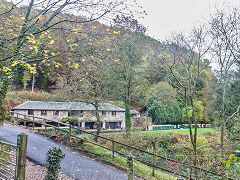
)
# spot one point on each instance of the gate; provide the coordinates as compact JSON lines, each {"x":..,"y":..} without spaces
{"x":13,"y":158}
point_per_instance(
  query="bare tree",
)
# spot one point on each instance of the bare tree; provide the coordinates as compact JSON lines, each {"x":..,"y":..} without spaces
{"x":188,"y":59}
{"x":90,"y":69}
{"x":225,"y":32}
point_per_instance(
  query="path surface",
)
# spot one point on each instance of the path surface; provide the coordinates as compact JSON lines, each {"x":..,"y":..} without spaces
{"x":74,"y":165}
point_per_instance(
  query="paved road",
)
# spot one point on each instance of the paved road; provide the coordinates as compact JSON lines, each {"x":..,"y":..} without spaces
{"x":73,"y":165}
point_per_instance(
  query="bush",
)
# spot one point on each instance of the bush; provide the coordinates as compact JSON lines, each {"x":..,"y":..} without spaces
{"x":70,"y":120}
{"x":203,"y":146}
{"x":53,"y":163}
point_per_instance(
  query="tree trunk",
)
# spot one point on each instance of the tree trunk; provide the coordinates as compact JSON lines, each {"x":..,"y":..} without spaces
{"x":33,"y":82}
{"x":195,"y":136}
{"x":96,"y":104}
{"x":127,"y":117}
{"x":223,"y":118}
{"x":128,"y":122}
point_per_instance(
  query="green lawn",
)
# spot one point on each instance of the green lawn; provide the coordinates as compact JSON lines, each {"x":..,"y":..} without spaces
{"x":179,"y":131}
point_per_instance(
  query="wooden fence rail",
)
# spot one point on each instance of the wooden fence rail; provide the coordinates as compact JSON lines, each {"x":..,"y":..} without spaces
{"x":8,"y":172}
{"x":69,"y":129}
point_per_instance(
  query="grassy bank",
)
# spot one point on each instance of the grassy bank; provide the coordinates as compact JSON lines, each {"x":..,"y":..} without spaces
{"x":119,"y":161}
{"x":168,"y":142}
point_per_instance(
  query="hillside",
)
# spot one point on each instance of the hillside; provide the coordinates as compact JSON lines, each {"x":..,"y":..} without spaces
{"x":62,"y":61}
{"x":91,"y":61}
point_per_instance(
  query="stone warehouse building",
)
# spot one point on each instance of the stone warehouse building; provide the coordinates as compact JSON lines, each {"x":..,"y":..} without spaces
{"x":112,"y":117}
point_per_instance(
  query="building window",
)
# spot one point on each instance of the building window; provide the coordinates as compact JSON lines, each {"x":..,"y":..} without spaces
{"x":104,"y":113}
{"x":55,"y":113}
{"x":113,"y":125}
{"x":114,"y":113}
{"x":43,"y":112}
{"x":30,"y":112}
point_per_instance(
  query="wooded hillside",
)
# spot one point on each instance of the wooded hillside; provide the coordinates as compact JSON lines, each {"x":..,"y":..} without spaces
{"x":76,"y":58}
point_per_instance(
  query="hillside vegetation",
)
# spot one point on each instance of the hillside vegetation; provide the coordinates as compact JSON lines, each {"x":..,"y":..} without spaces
{"x":49,"y":53}
{"x":94,"y":62}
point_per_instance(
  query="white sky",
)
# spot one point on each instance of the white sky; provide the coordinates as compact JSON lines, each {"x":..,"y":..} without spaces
{"x":166,"y":16}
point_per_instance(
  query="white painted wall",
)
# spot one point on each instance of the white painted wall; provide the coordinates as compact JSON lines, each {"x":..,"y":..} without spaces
{"x":87,"y":117}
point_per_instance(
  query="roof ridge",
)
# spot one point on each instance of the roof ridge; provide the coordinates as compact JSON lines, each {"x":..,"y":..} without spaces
{"x":72,"y":105}
{"x":70,"y":102}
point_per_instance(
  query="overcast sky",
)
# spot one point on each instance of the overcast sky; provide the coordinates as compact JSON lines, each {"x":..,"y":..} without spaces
{"x":166,"y":16}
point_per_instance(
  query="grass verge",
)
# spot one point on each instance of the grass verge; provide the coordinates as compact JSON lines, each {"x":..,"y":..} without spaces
{"x":119,"y":161}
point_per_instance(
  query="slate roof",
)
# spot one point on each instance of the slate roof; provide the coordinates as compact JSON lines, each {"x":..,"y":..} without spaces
{"x":134,"y":112}
{"x":44,"y":105}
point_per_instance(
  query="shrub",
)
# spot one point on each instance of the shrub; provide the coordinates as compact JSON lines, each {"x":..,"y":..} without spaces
{"x":203,"y":146}
{"x":53,"y":163}
{"x":70,"y":120}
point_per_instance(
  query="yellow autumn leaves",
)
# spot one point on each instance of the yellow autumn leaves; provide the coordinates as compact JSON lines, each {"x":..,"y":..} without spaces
{"x":33,"y":45}
{"x":34,"y":42}
{"x":41,"y":17}
{"x":52,"y":42}
{"x":6,"y":71}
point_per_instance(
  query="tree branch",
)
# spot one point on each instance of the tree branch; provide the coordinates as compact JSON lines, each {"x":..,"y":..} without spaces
{"x":230,"y":117}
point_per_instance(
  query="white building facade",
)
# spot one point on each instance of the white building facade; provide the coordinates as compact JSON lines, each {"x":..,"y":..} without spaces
{"x":112,"y":117}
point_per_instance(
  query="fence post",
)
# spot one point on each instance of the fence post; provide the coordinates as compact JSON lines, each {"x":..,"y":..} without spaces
{"x":45,"y":126}
{"x":113,"y":149}
{"x":70,"y":132}
{"x":21,"y":156}
{"x":130,"y":168}
{"x":154,"y":157}
{"x":33,"y":125}
{"x":16,"y":119}
{"x":58,"y":125}
{"x":24,"y":121}
{"x":11,"y":117}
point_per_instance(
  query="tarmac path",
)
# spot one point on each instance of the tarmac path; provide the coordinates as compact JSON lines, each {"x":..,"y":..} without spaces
{"x":74,"y":165}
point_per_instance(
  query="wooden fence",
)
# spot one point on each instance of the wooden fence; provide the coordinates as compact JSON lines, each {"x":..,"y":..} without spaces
{"x":9,"y":169}
{"x":69,"y":129}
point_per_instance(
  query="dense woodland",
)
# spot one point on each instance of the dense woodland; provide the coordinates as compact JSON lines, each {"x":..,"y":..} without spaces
{"x":189,"y":78}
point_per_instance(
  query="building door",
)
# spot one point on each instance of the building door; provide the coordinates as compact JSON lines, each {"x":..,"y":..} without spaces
{"x":89,"y":125}
{"x":115,"y":125}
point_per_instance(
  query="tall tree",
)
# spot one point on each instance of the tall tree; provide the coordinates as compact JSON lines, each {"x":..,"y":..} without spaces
{"x":38,"y":18}
{"x":224,"y":30}
{"x":188,"y":60}
{"x":89,"y":76}
{"x":129,"y":57}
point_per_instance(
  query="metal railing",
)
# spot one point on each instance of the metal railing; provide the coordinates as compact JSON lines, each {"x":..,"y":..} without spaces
{"x":13,"y":158}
